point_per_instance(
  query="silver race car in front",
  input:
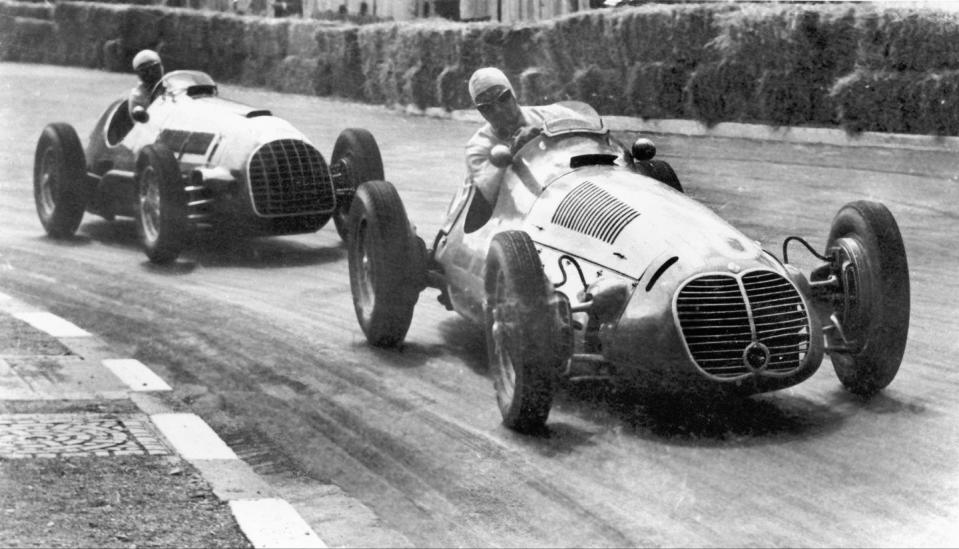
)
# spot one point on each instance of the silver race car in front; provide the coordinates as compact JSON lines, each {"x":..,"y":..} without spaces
{"x":594,"y":263}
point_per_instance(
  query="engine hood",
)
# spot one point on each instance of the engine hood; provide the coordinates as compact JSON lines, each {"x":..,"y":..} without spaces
{"x":631,"y":224}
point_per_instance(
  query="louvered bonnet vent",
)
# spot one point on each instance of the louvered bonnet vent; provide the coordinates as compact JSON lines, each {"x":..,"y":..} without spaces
{"x":592,"y":211}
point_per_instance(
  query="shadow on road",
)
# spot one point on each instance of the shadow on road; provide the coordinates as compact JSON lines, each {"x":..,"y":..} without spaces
{"x":215,"y":249}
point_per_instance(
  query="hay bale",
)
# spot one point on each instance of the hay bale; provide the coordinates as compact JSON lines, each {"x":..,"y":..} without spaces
{"x":721,"y":92}
{"x":375,"y":43}
{"x":339,"y":60}
{"x":667,"y":34}
{"x":784,"y":99}
{"x":297,"y":74}
{"x":902,"y":102}
{"x":451,"y":88}
{"x":83,"y":29}
{"x":417,"y":88}
{"x":140,"y":28}
{"x":27,"y":39}
{"x":265,"y":47}
{"x":26,"y":9}
{"x":539,"y":87}
{"x":225,"y":44}
{"x":656,"y":90}
{"x":600,"y":88}
{"x":909,"y":39}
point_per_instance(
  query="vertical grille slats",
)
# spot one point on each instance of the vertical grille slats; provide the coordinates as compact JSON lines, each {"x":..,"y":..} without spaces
{"x":592,"y":211}
{"x":290,"y":177}
{"x":721,"y":315}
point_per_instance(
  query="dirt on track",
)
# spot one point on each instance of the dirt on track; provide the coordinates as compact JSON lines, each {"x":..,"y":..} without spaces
{"x":405,"y":447}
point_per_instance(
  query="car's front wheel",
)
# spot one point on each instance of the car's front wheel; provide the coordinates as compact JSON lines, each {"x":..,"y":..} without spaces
{"x":59,"y":171}
{"x":355,"y":159}
{"x":873,"y":313}
{"x":520,"y":339}
{"x":387,"y":263}
{"x":162,"y":221}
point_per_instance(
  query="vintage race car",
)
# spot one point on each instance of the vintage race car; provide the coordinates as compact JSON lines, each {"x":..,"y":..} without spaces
{"x":593,"y":263}
{"x":194,"y":161}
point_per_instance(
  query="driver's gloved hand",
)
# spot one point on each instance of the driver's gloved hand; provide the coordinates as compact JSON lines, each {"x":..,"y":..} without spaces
{"x":523,"y":136}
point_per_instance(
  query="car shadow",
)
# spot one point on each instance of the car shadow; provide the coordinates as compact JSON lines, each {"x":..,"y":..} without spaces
{"x":216,"y":249}
{"x":676,"y":419}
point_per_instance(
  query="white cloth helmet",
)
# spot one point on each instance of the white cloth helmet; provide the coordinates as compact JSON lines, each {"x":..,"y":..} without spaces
{"x":145,"y":58}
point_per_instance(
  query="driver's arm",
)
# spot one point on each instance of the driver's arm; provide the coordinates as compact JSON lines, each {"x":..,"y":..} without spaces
{"x":480,"y":171}
{"x":139,"y":99}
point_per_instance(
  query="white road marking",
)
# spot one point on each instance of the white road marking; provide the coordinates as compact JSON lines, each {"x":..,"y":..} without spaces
{"x":273,"y":523}
{"x":52,"y":324}
{"x":192,"y":437}
{"x":136,"y":374}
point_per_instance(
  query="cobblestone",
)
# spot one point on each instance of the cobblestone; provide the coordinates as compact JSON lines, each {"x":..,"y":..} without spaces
{"x":62,"y":435}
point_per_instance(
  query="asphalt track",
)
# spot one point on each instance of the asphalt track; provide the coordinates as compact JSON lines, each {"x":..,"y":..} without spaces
{"x":405,"y":447}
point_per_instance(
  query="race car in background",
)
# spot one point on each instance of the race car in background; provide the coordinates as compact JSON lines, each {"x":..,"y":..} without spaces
{"x":195,"y":161}
{"x":593,"y":263}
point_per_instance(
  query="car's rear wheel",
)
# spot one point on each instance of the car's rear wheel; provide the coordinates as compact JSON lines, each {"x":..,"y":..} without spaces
{"x":162,"y":221}
{"x":386,"y":264}
{"x":356,"y":159}
{"x":59,"y":171}
{"x":520,"y":339}
{"x":874,"y":310}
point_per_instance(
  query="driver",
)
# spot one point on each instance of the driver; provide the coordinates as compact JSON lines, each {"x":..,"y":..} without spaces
{"x":507,"y":124}
{"x":149,"y":68}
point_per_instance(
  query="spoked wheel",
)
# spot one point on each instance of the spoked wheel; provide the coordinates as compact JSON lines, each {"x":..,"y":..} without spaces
{"x":387,"y":265}
{"x":873,"y":312}
{"x":520,"y":339}
{"x":162,"y":221}
{"x":59,"y":171}
{"x":356,"y":159}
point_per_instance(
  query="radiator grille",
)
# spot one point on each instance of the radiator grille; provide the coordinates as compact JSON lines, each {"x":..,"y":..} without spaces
{"x":590,"y":210}
{"x":722,"y":315}
{"x":289,"y":177}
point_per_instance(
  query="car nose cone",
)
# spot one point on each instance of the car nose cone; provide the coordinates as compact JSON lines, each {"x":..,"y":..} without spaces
{"x":756,"y":356}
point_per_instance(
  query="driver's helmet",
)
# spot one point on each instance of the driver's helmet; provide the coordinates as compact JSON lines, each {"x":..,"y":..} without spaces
{"x":144,"y":59}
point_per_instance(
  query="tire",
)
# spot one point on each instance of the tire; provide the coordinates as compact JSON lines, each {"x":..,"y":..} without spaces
{"x":868,"y":238}
{"x":162,"y":221}
{"x":356,"y":157}
{"x":59,"y":174}
{"x":660,"y":170}
{"x":521,"y":343}
{"x":386,"y":268}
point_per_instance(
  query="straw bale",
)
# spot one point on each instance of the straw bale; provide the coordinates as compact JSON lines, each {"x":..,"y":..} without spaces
{"x":265,"y":47}
{"x":223,"y":35}
{"x":903,"y":102}
{"x":375,"y":44}
{"x":784,"y":99}
{"x":182,"y":39}
{"x":910,"y":39}
{"x":599,"y":87}
{"x":298,"y":74}
{"x":26,"y":9}
{"x":340,"y":59}
{"x":27,"y":39}
{"x":656,"y":90}
{"x":140,"y":28}
{"x":417,"y":88}
{"x":719,"y":92}
{"x":83,"y":29}
{"x":302,"y":40}
{"x":538,"y":87}
{"x":660,"y":33}
{"x":451,"y":88}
